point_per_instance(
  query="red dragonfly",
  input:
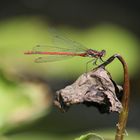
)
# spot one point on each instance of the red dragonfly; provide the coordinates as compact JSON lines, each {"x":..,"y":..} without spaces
{"x":64,"y":48}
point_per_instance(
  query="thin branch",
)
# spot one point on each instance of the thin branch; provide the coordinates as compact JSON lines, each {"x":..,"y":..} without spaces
{"x":125,"y":99}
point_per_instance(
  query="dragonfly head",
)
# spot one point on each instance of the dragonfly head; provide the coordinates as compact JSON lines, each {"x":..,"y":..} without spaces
{"x":103,"y":53}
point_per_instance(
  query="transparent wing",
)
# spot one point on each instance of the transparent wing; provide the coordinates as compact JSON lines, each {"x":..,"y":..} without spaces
{"x":59,"y":40}
{"x":61,"y":44}
{"x":47,"y":48}
{"x":52,"y":58}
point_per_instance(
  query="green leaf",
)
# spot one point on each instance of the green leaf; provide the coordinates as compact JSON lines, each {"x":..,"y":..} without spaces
{"x":90,"y":136}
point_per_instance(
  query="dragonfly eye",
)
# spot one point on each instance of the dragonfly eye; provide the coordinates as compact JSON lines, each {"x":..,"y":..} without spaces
{"x":103,"y":52}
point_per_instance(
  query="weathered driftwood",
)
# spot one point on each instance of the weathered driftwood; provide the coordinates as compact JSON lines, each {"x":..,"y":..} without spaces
{"x":95,"y":88}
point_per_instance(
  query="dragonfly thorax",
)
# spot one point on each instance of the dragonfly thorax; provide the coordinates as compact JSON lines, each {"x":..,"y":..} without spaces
{"x":96,"y":54}
{"x":92,"y":53}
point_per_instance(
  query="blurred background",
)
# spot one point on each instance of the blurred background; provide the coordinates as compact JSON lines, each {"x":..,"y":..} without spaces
{"x":27,"y":88}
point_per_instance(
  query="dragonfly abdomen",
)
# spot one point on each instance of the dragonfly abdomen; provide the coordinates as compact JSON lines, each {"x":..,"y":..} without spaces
{"x":58,"y":53}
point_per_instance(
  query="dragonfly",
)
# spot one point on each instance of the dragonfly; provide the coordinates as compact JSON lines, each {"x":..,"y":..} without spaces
{"x":64,"y":48}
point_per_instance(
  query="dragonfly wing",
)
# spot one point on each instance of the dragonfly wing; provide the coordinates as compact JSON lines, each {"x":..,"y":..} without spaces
{"x":51,"y":58}
{"x":47,"y":48}
{"x":59,"y":40}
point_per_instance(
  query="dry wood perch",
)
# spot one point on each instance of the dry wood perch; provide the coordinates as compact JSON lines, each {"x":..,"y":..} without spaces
{"x":95,"y":88}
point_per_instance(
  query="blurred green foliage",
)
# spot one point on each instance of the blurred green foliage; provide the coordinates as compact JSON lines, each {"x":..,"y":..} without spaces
{"x":107,"y":135}
{"x":21,"y":103}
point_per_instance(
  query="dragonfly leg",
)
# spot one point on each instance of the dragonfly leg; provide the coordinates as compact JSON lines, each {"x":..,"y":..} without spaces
{"x":95,"y":61}
{"x":102,"y":59}
{"x":88,"y":63}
